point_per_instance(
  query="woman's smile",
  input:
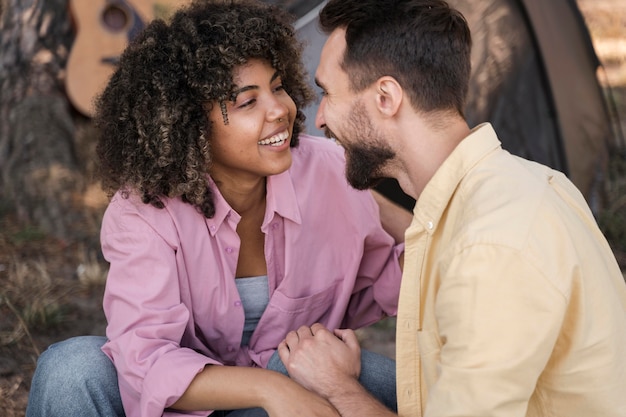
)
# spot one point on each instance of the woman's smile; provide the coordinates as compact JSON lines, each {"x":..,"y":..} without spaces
{"x":276,"y":140}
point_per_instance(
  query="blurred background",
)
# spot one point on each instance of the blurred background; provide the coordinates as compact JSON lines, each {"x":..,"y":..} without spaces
{"x":550,"y":76}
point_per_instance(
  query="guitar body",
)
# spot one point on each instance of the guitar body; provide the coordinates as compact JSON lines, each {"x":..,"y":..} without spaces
{"x":103,"y":30}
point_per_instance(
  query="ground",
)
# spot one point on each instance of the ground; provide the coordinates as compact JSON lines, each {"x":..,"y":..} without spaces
{"x":51,"y":290}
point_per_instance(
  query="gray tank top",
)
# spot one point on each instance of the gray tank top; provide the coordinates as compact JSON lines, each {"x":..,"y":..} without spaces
{"x":255,"y":295}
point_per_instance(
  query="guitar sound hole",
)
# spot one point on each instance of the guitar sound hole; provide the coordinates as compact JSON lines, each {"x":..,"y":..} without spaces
{"x":115,"y":18}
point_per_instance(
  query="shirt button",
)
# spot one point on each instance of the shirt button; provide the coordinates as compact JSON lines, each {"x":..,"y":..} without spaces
{"x":212,"y":227}
{"x":237,"y":303}
{"x":275,"y":226}
{"x":229,"y":250}
{"x":430,"y":225}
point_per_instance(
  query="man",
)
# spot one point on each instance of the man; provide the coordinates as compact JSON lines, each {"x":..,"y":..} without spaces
{"x":512,"y":303}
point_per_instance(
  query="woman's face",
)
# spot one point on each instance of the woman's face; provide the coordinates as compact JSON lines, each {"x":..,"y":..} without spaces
{"x":255,"y":141}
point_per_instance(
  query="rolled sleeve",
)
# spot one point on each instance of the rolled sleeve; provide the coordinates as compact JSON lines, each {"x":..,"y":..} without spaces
{"x":146,"y":318}
{"x":377,"y":285}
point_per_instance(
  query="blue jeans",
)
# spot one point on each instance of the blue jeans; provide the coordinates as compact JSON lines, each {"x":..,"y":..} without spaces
{"x":75,"y":378}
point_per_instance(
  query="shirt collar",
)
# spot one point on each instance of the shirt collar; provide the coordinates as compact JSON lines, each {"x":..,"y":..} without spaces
{"x":223,"y":210}
{"x":281,"y":199}
{"x":435,"y":197}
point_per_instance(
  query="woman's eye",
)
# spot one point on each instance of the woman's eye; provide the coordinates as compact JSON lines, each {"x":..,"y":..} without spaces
{"x":279,"y":87}
{"x":247,"y":103}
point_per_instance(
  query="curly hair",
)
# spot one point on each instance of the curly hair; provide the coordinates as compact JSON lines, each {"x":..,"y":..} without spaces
{"x":154,"y":131}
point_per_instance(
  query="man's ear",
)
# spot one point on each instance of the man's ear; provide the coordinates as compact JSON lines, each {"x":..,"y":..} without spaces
{"x":389,"y":96}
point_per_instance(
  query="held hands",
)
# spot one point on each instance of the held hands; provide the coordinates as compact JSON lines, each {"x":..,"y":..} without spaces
{"x":320,"y":360}
{"x":291,"y":399}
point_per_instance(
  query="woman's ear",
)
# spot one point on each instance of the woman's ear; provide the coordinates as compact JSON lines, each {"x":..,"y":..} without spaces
{"x":389,"y":96}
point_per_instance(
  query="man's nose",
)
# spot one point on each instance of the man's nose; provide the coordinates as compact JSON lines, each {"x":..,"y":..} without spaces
{"x":320,"y":122}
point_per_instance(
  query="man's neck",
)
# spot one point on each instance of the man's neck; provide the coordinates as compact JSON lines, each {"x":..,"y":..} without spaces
{"x":424,"y":148}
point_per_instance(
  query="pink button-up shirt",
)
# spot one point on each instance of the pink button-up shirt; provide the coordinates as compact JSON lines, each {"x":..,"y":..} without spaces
{"x":171,"y":301}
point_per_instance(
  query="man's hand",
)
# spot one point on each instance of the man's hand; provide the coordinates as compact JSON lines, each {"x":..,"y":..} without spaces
{"x":291,"y":399}
{"x":321,"y":360}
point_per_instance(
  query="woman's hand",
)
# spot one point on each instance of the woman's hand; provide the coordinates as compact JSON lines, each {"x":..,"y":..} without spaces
{"x":236,"y":387}
{"x":329,"y":363}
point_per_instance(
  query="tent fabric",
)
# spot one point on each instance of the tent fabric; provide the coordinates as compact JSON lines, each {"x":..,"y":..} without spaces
{"x":534,"y":77}
{"x":571,"y":66}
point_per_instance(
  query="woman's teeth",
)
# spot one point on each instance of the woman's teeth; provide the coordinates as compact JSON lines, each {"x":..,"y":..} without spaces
{"x":275,"y":140}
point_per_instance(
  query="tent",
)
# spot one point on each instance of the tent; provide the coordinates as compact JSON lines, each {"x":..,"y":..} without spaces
{"x":534,"y":77}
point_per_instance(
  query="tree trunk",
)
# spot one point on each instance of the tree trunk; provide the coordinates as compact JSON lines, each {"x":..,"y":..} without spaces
{"x":40,"y":176}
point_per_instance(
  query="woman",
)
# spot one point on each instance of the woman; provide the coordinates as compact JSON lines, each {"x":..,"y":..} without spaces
{"x":227,"y":226}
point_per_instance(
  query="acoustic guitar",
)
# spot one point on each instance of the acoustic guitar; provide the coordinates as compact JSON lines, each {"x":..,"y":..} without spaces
{"x":103,"y":30}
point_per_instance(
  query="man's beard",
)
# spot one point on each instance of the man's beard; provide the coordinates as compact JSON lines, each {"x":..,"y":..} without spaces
{"x":364,"y":163}
{"x":367,"y":152}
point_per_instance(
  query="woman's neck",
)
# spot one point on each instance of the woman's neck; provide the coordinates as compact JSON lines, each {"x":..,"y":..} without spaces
{"x":244,"y":197}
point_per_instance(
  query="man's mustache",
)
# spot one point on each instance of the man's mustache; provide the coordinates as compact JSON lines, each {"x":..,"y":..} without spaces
{"x":329,"y":133}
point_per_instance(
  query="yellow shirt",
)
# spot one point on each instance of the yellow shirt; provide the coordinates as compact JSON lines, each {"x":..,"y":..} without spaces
{"x":512,"y":303}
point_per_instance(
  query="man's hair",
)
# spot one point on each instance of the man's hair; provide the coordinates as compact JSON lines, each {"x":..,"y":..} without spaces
{"x":154,"y":132}
{"x":424,"y":44}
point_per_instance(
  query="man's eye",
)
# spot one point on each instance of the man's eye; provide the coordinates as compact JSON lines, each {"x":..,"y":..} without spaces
{"x":279,"y":87}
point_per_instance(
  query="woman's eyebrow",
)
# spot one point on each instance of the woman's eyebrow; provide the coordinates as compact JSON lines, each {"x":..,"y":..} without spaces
{"x":252,"y":87}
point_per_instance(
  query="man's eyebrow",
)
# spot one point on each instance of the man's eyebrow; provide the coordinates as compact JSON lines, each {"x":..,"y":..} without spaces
{"x":252,"y":87}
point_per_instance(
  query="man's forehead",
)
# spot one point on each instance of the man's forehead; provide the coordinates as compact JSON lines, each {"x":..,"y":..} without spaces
{"x":335,"y":44}
{"x":332,"y":53}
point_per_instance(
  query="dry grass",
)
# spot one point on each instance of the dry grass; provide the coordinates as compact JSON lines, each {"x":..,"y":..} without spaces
{"x":50,"y":290}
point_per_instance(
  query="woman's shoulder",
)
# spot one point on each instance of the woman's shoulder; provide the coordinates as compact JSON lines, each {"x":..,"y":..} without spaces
{"x":318,"y":172}
{"x":127,"y":210}
{"x":319,"y":162}
{"x":314,"y":150}
{"x":309,"y":143}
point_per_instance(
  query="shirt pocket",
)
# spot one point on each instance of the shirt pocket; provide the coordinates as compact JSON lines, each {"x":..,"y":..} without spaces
{"x":285,"y":313}
{"x":429,"y":347}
